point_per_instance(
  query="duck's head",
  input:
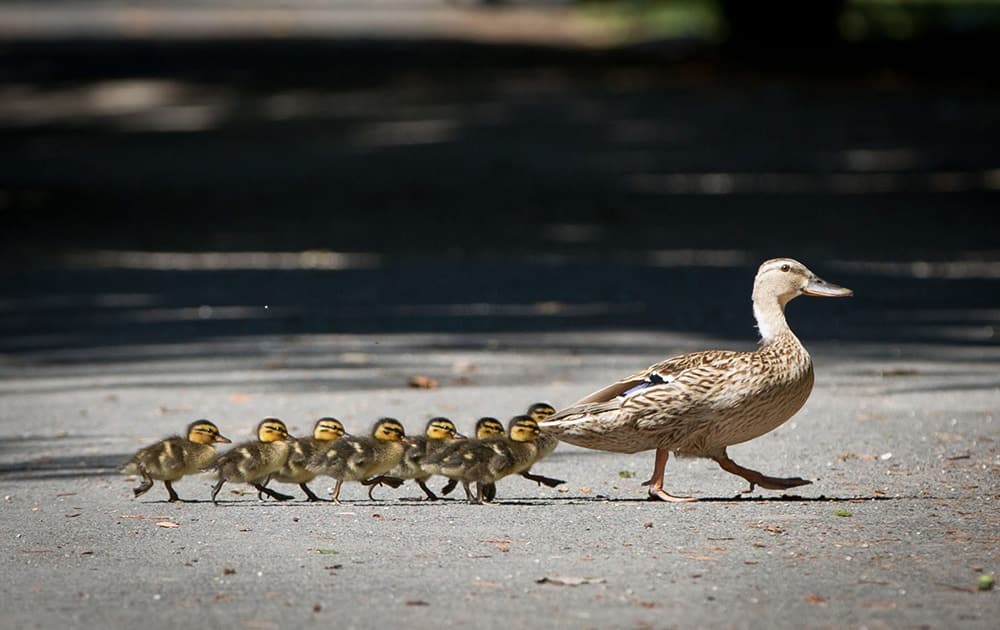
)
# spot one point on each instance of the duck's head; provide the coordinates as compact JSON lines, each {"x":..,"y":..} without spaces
{"x":205,"y":432}
{"x":273,"y":430}
{"x":328,"y":429}
{"x":489,"y":428}
{"x":541,"y":410}
{"x":441,"y":429}
{"x":389,"y":430}
{"x":523,"y":429}
{"x":786,"y":279}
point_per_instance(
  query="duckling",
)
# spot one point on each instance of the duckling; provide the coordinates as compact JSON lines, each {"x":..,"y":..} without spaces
{"x":358,"y":458}
{"x":546,"y":443}
{"x":170,"y":459}
{"x":254,"y":462}
{"x":325,"y":431}
{"x":438,"y":435}
{"x":486,"y":428}
{"x":486,"y":461}
{"x":700,"y":403}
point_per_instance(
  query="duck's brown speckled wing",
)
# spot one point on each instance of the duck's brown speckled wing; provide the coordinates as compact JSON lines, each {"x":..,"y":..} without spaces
{"x":662,"y":373}
{"x":643,"y":409}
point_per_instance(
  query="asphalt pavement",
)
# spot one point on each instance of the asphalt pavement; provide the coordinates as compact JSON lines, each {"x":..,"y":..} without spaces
{"x":236,"y":227}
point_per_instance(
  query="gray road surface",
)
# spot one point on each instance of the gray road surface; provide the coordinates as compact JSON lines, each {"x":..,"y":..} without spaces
{"x":900,"y":523}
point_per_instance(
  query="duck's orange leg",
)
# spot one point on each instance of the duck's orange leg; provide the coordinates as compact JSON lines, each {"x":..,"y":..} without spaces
{"x":655,"y":483}
{"x":759,"y":479}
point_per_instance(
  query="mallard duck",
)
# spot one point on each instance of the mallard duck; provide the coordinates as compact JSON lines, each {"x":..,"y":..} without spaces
{"x":438,"y":434}
{"x":254,"y":462}
{"x":700,"y":403}
{"x":295,"y":470}
{"x":170,"y":459}
{"x":359,"y":458}
{"x":487,"y":427}
{"x":486,"y":461}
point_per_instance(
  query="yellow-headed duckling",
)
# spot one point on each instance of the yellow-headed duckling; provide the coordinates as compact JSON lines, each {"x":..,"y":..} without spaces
{"x":170,"y":459}
{"x":358,"y":458}
{"x":254,"y":462}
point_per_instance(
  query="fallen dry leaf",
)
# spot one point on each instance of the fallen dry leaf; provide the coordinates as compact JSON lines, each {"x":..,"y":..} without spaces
{"x":420,"y":381}
{"x":416,"y":602}
{"x":585,"y":490}
{"x":813,"y":598}
{"x":843,"y":457}
{"x":167,"y":524}
{"x":570,"y":580}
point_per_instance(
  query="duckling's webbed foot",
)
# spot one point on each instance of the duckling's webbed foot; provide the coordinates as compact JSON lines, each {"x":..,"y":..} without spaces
{"x":145,"y":484}
{"x":448,"y":487}
{"x":489,"y":491}
{"x":381,"y":480}
{"x":430,"y":496}
{"x":655,"y":483}
{"x":215,"y":490}
{"x":759,"y":479}
{"x":171,"y":493}
{"x":310,"y":495}
{"x":277,"y":496}
{"x":541,"y":479}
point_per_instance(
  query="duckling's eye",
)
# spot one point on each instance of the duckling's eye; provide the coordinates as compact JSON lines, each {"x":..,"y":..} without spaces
{"x":785,"y":267}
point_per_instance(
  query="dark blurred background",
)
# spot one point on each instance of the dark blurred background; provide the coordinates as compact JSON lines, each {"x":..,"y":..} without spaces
{"x":180,"y":171}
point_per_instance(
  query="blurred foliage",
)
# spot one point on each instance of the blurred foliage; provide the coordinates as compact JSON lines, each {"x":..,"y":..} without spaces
{"x":860,"y":20}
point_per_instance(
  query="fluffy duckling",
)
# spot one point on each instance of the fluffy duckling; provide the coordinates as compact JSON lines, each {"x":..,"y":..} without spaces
{"x":546,"y":443}
{"x":170,"y":459}
{"x":254,"y":462}
{"x":358,"y":458}
{"x":486,"y":428}
{"x":438,"y":435}
{"x":486,"y":461}
{"x":295,"y":470}
{"x":699,"y":404}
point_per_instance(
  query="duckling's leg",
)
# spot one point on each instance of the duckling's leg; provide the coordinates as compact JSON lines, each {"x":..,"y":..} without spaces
{"x":144,"y":485}
{"x":215,"y":490}
{"x":540,"y":479}
{"x":170,"y":491}
{"x":427,"y":491}
{"x":758,"y":479}
{"x":310,"y":495}
{"x":277,"y":496}
{"x":448,"y":487}
{"x":655,"y":482}
{"x":489,"y":491}
{"x":336,"y":491}
{"x":468,"y":494}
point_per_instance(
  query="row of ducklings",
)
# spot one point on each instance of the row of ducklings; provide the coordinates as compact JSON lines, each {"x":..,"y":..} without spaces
{"x":388,"y":456}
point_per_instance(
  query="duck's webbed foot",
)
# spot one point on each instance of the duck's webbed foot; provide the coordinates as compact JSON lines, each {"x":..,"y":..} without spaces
{"x":428,"y":493}
{"x":171,"y":493}
{"x":655,"y":483}
{"x":381,"y":480}
{"x":145,"y":484}
{"x":277,"y":496}
{"x":541,"y":479}
{"x":759,"y":479}
{"x":310,"y":495}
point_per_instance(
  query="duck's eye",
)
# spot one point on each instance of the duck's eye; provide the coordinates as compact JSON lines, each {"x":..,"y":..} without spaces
{"x":785,"y":267}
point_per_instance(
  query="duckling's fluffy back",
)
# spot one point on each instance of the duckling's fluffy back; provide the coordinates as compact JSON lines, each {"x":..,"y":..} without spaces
{"x":251,"y":462}
{"x":170,"y":459}
{"x":357,"y":458}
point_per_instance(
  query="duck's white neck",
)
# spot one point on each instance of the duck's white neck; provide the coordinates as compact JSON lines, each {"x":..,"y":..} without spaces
{"x":769,"y":311}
